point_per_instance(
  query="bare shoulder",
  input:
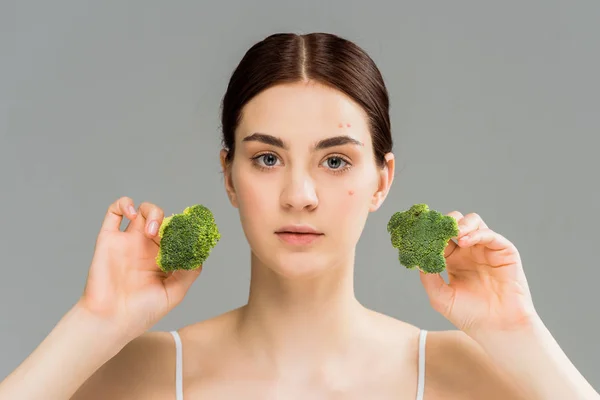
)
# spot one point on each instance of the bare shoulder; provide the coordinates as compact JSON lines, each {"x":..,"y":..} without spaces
{"x":457,"y":365}
{"x":144,"y":368}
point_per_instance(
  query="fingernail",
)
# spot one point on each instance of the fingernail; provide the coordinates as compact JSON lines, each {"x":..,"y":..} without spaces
{"x":153,"y":227}
{"x":132,"y":210}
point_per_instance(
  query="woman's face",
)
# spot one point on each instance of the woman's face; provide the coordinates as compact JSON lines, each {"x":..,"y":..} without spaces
{"x":304,"y":158}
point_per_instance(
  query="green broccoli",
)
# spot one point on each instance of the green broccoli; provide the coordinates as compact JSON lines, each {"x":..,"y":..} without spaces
{"x":421,"y":235}
{"x":187,"y":239}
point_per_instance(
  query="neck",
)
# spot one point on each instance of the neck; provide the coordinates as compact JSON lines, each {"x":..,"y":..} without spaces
{"x":295,"y":324}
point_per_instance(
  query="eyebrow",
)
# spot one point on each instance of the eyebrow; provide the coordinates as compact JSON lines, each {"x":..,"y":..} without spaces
{"x":322,"y":144}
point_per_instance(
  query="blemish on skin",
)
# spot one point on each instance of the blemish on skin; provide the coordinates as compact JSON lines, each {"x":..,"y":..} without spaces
{"x":350,"y":192}
{"x":340,"y":125}
{"x":348,"y":125}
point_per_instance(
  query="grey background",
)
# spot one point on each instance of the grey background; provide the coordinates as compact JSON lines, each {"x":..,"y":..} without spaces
{"x":494,"y":111}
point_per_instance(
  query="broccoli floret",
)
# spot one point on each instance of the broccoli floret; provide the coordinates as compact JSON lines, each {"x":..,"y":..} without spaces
{"x":421,"y":235}
{"x":186,"y":239}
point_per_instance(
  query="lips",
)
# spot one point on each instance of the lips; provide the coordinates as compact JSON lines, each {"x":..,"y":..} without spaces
{"x":298,"y":229}
{"x":299,"y":238}
{"x":298,"y":234}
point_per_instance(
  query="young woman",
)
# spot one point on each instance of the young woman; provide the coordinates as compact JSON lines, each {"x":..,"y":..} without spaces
{"x":306,"y":157}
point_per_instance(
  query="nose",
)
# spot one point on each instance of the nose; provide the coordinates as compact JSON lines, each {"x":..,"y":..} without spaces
{"x":299,"y":192}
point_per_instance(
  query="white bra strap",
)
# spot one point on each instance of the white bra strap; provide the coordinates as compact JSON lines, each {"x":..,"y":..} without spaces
{"x":178,"y":366}
{"x":421,"y":377}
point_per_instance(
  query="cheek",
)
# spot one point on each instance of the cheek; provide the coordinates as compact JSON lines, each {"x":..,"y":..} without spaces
{"x":351,"y":199}
{"x":355,"y":199}
{"x":359,"y":189}
{"x":254,"y":201}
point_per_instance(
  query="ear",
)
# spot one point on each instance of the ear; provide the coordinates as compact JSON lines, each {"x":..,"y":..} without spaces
{"x":226,"y":170}
{"x":386,"y":177}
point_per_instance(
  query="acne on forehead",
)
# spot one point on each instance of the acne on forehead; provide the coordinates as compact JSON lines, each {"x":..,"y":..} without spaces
{"x":341,"y":125}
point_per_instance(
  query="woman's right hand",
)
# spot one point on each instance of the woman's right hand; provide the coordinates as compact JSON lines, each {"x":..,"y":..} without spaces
{"x":125,"y":286}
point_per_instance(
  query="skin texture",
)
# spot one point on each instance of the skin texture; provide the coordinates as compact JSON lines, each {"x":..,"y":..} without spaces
{"x":303,"y":326}
{"x":302,"y":334}
{"x":314,"y":285}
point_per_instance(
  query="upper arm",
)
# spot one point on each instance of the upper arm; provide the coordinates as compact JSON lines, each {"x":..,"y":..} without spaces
{"x":460,"y":367}
{"x":137,"y":371}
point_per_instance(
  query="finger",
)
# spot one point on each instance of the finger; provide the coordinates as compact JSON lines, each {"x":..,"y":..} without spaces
{"x":450,"y":247}
{"x":440,"y":294}
{"x":470,"y":223}
{"x":151,"y":217}
{"x":457,"y":215}
{"x":178,"y":283}
{"x":487,"y":238}
{"x":123,"y":206}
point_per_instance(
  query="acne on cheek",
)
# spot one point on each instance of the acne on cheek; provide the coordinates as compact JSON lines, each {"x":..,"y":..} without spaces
{"x":350,"y":192}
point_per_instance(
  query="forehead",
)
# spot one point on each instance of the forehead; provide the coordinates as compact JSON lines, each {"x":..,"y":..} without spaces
{"x":304,"y":110}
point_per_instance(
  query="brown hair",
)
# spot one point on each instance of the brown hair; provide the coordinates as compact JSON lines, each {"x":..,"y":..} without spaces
{"x":320,"y":57}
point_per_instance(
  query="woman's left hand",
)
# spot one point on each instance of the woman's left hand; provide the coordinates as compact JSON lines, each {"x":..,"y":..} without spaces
{"x":487,"y":289}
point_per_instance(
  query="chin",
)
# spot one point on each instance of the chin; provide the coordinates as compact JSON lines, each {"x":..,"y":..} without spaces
{"x":297,"y":265}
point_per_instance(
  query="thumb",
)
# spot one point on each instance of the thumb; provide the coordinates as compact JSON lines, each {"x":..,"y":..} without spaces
{"x":179,"y":282}
{"x":441,"y":295}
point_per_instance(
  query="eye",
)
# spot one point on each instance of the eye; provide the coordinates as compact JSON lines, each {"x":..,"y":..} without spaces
{"x":268,"y":159}
{"x":335,"y":162}
{"x":264,"y":161}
